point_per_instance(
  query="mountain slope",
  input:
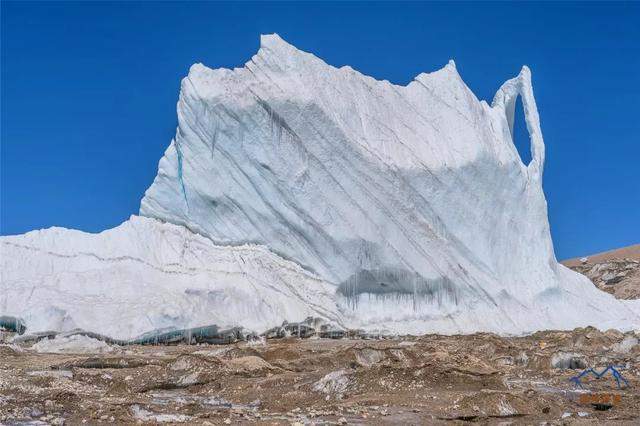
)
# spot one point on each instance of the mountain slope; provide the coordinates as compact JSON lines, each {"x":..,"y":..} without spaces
{"x":615,"y":271}
{"x":630,"y":252}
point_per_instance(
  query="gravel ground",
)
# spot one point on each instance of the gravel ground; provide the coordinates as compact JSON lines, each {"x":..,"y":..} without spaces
{"x":406,"y":380}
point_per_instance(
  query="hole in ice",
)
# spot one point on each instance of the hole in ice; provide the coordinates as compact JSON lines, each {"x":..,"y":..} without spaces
{"x":520,"y":134}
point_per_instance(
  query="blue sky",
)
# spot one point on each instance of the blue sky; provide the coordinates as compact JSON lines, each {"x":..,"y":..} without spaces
{"x":89,"y":93}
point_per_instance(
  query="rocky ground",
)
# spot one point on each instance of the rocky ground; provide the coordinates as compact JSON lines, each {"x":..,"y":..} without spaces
{"x":616,"y":272}
{"x":410,"y":380}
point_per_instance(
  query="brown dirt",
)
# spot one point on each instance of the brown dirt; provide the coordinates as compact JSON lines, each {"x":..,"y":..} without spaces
{"x":616,"y":271}
{"x":630,"y":252}
{"x":410,"y":380}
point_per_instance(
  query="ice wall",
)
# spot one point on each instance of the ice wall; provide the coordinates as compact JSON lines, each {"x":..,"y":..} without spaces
{"x":345,"y":174}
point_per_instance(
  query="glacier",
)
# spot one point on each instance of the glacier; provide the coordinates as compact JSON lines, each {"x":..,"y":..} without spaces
{"x":146,"y":275}
{"x":293,"y":188}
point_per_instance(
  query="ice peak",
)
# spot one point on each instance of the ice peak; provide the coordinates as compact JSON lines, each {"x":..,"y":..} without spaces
{"x":449,"y":72}
{"x":197,"y":68}
{"x":275,"y":43}
{"x":270,"y":40}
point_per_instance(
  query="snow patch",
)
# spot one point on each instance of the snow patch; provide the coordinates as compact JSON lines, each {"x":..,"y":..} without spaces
{"x":148,"y":416}
{"x":626,"y":345}
{"x":505,"y":409}
{"x":333,"y":384}
{"x":73,"y":344}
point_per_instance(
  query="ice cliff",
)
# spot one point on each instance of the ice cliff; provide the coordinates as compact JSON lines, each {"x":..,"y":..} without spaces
{"x":405,"y":208}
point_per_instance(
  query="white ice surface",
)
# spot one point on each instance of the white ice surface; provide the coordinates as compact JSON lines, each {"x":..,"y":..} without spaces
{"x":146,"y":275}
{"x":397,"y":208}
{"x":75,"y":344}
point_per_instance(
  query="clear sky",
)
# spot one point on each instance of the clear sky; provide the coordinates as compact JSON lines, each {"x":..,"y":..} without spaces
{"x":89,"y":94}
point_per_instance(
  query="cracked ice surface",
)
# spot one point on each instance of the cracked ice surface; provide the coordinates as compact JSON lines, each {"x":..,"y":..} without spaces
{"x":407,"y":209}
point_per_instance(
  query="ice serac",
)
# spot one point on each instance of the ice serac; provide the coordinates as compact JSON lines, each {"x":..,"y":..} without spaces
{"x":293,"y":188}
{"x":414,"y":192}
